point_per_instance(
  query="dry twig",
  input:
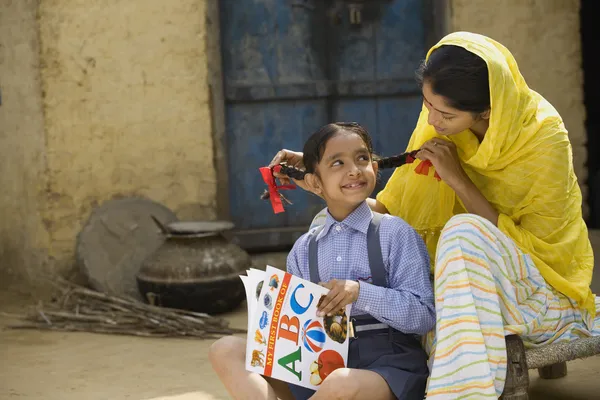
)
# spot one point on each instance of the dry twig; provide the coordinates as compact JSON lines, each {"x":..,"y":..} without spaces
{"x":78,"y":309}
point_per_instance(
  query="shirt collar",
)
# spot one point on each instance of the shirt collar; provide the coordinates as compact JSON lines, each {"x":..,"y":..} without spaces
{"x":358,"y":219}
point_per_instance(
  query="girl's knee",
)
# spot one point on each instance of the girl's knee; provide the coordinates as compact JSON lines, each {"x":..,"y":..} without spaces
{"x":226,"y":350}
{"x":339,"y":385}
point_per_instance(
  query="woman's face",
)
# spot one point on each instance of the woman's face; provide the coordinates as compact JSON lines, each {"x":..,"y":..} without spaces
{"x":448,"y":120}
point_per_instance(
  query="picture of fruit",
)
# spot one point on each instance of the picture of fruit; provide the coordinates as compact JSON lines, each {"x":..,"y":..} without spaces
{"x":328,"y":361}
{"x":336,"y":326}
{"x":315,"y":379}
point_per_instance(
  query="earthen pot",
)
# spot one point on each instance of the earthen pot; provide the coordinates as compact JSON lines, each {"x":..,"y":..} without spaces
{"x":196,"y":269}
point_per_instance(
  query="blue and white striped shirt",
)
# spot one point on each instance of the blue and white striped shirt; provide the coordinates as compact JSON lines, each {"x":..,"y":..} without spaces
{"x":408,"y":303}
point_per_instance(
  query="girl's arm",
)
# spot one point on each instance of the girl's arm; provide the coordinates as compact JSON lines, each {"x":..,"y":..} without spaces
{"x":407,"y":304}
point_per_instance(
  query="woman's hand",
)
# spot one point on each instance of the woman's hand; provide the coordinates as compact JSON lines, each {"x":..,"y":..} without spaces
{"x":444,"y":157}
{"x":292,"y":158}
{"x":341,"y":293}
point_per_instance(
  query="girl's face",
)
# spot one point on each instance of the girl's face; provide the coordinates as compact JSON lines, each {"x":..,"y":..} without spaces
{"x":448,"y":120}
{"x":346,"y":174}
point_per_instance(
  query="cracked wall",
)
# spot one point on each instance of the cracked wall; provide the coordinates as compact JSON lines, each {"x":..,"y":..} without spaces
{"x":23,"y":238}
{"x":125,"y":98}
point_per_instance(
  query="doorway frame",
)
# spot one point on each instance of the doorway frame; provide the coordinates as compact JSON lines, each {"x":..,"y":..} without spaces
{"x":438,"y":18}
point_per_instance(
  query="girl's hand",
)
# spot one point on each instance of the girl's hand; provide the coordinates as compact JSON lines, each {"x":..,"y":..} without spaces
{"x":444,"y":157}
{"x":341,"y":293}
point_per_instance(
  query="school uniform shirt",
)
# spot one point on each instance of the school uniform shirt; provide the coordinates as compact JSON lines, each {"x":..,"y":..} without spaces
{"x":407,"y":304}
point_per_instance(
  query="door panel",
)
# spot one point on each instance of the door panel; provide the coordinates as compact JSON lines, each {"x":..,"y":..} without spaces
{"x":291,"y":66}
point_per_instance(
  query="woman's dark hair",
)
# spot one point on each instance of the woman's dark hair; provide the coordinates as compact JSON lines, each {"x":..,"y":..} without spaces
{"x":315,"y":145}
{"x":458,"y":75}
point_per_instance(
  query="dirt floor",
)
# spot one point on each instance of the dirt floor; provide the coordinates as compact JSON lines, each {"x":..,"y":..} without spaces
{"x":81,"y":366}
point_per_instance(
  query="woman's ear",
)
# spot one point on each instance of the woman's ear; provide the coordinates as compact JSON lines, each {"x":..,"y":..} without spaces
{"x":486,"y":114}
{"x":313,"y":183}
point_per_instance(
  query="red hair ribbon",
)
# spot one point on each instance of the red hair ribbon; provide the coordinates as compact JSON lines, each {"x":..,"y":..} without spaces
{"x":423,"y":167}
{"x":274,"y":196}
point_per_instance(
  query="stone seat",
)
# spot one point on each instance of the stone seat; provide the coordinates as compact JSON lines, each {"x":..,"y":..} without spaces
{"x":550,"y":361}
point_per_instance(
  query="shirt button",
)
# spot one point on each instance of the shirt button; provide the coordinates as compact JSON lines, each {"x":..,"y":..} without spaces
{"x":339,"y":258}
{"x":337,"y":228}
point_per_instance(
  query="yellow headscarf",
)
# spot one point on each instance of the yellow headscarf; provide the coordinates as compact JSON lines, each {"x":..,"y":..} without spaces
{"x":524,"y":169}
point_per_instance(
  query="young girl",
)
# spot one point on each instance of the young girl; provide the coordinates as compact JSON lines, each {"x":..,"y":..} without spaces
{"x":376,"y":262}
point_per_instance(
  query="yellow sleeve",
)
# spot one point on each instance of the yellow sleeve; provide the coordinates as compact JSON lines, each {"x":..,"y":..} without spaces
{"x":390,"y":196}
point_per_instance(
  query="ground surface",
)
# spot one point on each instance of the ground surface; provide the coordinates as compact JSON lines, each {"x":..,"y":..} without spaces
{"x":81,"y":366}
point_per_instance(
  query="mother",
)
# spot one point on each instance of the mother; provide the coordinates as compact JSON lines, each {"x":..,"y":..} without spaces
{"x":504,"y":224}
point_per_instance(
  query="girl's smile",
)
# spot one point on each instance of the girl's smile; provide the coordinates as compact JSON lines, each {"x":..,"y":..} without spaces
{"x":355,"y":185}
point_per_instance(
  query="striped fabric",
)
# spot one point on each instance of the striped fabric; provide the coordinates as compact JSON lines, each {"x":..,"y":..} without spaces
{"x":486,"y":288}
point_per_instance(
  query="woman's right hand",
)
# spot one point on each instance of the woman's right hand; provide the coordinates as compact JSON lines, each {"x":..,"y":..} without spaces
{"x":292,"y":158}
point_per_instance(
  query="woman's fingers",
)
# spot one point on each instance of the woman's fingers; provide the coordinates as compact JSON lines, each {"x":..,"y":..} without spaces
{"x":278,"y":159}
{"x":426,"y":153}
{"x":293,"y":158}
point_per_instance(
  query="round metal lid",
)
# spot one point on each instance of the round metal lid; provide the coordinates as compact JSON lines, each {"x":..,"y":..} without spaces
{"x":118,"y":236}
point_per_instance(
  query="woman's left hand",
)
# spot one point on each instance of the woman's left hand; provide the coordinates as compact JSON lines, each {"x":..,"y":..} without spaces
{"x":444,"y":157}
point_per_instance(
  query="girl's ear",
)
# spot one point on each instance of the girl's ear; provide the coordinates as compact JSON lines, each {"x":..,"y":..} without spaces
{"x":313,"y":183}
{"x":375,"y":166}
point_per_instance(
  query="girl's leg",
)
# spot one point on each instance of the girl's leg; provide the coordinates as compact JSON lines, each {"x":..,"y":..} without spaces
{"x":485,"y":287}
{"x":228,"y":356}
{"x":349,"y":383}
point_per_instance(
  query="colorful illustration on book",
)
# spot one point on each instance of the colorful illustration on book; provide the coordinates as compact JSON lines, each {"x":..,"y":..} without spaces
{"x":286,"y":335}
{"x":264,"y":320}
{"x":274,"y":282}
{"x":259,"y":338}
{"x":268,"y":301}
{"x":328,"y":361}
{"x":258,"y":359}
{"x":336,"y":326}
{"x":258,"y":289}
{"x":313,"y":336}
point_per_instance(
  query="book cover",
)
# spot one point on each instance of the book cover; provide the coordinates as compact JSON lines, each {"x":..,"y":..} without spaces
{"x":286,"y":339}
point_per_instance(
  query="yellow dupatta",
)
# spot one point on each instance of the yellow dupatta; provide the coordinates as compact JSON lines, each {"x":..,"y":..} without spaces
{"x":524,"y":169}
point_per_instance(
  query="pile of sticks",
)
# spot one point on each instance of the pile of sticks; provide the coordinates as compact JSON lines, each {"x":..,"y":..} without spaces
{"x":78,"y":309}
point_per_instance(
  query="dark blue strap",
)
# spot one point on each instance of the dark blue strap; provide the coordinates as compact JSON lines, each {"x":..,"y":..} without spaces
{"x":378,"y":273}
{"x":313,"y":259}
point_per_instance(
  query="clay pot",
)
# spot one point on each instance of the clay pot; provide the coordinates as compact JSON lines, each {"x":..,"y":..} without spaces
{"x":195,"y":269}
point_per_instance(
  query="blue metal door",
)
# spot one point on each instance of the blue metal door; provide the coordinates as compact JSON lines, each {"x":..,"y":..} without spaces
{"x":291,"y":66}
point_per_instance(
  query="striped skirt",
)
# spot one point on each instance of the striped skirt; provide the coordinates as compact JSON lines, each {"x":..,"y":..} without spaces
{"x":486,"y":288}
